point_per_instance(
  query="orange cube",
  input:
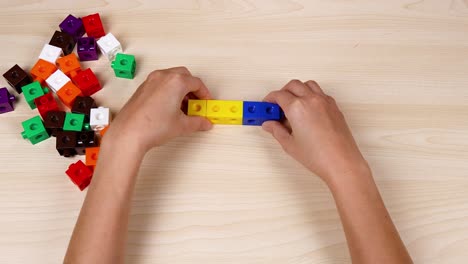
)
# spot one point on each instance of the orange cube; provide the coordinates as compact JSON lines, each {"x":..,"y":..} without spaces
{"x":42,"y":70}
{"x":103,"y":131}
{"x":70,"y":65}
{"x":92,"y":155}
{"x":68,"y":94}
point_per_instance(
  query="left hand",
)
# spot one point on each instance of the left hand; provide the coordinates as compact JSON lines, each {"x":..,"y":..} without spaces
{"x":153,"y":115}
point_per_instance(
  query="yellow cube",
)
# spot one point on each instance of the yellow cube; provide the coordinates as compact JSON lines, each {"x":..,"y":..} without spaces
{"x":224,"y":112}
{"x":196,"y":107}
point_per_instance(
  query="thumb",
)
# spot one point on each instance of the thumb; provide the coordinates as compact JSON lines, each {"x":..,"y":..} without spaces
{"x":195,"y":123}
{"x":279,"y":132}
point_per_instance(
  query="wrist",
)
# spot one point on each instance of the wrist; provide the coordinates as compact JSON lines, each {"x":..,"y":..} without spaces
{"x":356,"y":175}
{"x":119,"y":142}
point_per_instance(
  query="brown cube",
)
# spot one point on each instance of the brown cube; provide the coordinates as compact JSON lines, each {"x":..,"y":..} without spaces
{"x":83,"y":105}
{"x":17,"y":78}
{"x":66,"y":143}
{"x":53,"y":122}
{"x":63,"y":41}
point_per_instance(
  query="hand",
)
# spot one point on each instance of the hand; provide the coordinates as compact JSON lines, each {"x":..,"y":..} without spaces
{"x":317,"y":134}
{"x":153,"y":114}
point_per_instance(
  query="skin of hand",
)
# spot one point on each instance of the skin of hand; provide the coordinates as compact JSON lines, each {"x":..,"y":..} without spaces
{"x":317,"y":136}
{"x":314,"y":115}
{"x":150,"y":118}
{"x":153,"y":114}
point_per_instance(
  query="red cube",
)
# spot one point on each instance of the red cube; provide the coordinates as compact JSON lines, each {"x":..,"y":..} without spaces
{"x":93,"y":25}
{"x":80,"y":174}
{"x":45,"y":104}
{"x":87,"y":82}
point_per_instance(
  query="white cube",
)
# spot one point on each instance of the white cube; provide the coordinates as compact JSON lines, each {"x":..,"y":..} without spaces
{"x":99,"y":118}
{"x":57,"y":80}
{"x":109,"y":46}
{"x":50,"y":53}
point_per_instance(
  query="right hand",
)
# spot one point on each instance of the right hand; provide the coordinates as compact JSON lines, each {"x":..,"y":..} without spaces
{"x":317,"y":134}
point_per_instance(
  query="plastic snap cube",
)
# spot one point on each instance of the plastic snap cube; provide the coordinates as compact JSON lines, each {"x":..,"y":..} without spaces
{"x":6,"y":101}
{"x":93,"y":25}
{"x":87,"y":49}
{"x":87,"y":82}
{"x":224,"y":112}
{"x":255,"y":113}
{"x":34,"y":130}
{"x":66,"y":143}
{"x":70,"y":65}
{"x":73,"y":122}
{"x":124,"y":66}
{"x":92,"y":155}
{"x":68,"y":94}
{"x":53,"y":122}
{"x":72,"y":26}
{"x":99,"y":118}
{"x":80,"y":174}
{"x":196,"y":107}
{"x":50,"y":53}
{"x":83,"y":105}
{"x":86,"y":139}
{"x":109,"y":46}
{"x":33,"y":91}
{"x":42,"y":70}
{"x":64,"y":41}
{"x":57,"y":80}
{"x":17,"y":78}
{"x":45,"y":104}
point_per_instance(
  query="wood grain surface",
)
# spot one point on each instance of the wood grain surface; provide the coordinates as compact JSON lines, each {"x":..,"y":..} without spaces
{"x":398,"y":69}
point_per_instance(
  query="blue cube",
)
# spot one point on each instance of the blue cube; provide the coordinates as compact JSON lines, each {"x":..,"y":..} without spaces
{"x":255,"y":113}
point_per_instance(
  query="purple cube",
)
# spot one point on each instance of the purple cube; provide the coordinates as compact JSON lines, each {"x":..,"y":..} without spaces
{"x":72,"y":26}
{"x":87,"y":49}
{"x":6,"y":101}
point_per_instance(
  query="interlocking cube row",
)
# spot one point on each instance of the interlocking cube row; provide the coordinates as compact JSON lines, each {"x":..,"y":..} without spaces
{"x":247,"y":113}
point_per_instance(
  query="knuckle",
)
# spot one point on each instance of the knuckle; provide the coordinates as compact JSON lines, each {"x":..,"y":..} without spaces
{"x":182,"y":69}
{"x":298,"y":104}
{"x":297,"y":107}
{"x":196,"y":79}
{"x":175,"y":77}
{"x":318,"y":100}
{"x":294,"y":82}
{"x":312,"y":82}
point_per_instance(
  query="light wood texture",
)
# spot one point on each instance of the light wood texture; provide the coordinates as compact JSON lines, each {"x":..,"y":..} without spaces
{"x":398,"y":69}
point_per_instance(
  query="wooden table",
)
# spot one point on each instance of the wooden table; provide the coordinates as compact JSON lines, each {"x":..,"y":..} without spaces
{"x":398,"y":69}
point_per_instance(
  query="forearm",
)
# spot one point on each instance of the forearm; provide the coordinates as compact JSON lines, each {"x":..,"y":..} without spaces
{"x":100,"y":232}
{"x":370,"y":232}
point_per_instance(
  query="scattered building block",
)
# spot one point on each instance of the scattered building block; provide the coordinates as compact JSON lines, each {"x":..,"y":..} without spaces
{"x":34,"y":130}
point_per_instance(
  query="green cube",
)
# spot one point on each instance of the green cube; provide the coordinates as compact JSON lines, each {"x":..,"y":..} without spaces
{"x":124,"y":66}
{"x":33,"y":91}
{"x":34,"y":130}
{"x":73,"y":122}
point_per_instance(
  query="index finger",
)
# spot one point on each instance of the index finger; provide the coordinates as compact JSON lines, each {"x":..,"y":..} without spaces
{"x":282,"y":97}
{"x":197,"y":87}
